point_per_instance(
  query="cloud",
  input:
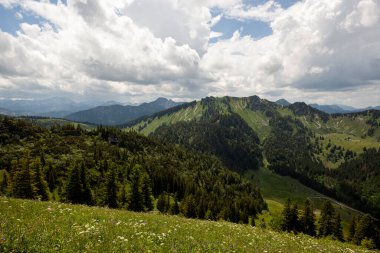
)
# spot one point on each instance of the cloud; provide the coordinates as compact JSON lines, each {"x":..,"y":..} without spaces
{"x":265,"y":12}
{"x":87,"y":44}
{"x":141,"y":49}
{"x":316,"y":46}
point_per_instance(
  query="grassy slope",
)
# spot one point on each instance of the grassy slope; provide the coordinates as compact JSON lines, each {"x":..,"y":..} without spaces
{"x":276,"y":189}
{"x":187,"y":114}
{"x":32,"y":226}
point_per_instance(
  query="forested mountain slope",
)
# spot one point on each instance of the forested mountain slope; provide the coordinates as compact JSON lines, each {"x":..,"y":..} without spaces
{"x":107,"y":167}
{"x":296,"y":140}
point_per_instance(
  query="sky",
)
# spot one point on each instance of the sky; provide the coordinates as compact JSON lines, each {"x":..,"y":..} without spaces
{"x":325,"y":51}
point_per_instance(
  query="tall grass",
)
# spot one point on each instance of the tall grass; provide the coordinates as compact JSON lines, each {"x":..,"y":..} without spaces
{"x":32,"y":226}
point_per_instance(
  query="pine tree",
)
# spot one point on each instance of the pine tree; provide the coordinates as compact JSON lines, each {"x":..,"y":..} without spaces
{"x":352,"y":229}
{"x":337,"y":231}
{"x":22,"y":185}
{"x":52,"y":177}
{"x":111,"y":195}
{"x":174,"y":208}
{"x":4,"y":184}
{"x":188,"y":206}
{"x":287,"y":218}
{"x":136,"y":198}
{"x":294,"y":218}
{"x":326,"y":221}
{"x":146,"y":192}
{"x":40,"y":183}
{"x":87,"y":196}
{"x":308,"y":219}
{"x":364,"y":229}
{"x":161,"y":203}
{"x":74,"y":186}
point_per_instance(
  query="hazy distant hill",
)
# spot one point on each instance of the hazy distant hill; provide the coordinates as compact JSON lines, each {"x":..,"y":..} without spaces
{"x":119,"y":114}
{"x":283,"y":102}
{"x":331,"y":109}
{"x":52,"y":107}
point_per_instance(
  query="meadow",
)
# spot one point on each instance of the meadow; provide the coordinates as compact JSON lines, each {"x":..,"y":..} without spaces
{"x":34,"y":226}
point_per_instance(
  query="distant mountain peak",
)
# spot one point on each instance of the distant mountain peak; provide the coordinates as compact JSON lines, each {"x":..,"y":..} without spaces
{"x":283,"y":102}
{"x":162,"y":99}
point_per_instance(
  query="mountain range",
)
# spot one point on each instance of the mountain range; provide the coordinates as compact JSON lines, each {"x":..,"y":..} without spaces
{"x":325,"y":152}
{"x":118,"y":114}
{"x":332,"y":109}
{"x":52,"y":107}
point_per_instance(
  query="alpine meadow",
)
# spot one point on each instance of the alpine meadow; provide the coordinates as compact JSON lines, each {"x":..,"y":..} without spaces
{"x":190,"y":126}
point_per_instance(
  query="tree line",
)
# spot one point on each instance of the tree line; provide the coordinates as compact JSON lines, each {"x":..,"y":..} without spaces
{"x":361,"y":230}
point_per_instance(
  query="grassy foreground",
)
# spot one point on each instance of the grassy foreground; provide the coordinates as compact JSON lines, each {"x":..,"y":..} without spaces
{"x":32,"y":226}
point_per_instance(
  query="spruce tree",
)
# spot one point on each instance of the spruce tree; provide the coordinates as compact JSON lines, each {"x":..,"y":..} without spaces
{"x":40,"y":183}
{"x":161,"y":203}
{"x":352,"y":228}
{"x":74,"y":186}
{"x":326,"y":221}
{"x":111,"y":195}
{"x":188,"y":207}
{"x":146,"y":192}
{"x":174,"y":208}
{"x":294,"y":218}
{"x":4,"y":184}
{"x":23,"y":183}
{"x":287,"y":218}
{"x":87,"y":196}
{"x":364,"y":229}
{"x":52,"y":177}
{"x":337,"y":231}
{"x":136,"y":198}
{"x":308,"y":219}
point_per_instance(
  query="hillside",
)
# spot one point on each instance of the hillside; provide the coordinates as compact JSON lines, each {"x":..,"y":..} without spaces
{"x":296,"y":140}
{"x":119,"y":114}
{"x":107,"y":167}
{"x":25,"y":226}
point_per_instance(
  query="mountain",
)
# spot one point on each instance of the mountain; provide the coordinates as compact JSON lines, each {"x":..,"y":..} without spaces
{"x":52,"y":107}
{"x":331,"y":108}
{"x":299,"y":141}
{"x":6,"y":112}
{"x":283,"y":102}
{"x":119,"y":114}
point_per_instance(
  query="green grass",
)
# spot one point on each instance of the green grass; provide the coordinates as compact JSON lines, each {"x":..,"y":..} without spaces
{"x":255,"y":119}
{"x":32,"y":226}
{"x":277,"y":189}
{"x":187,"y":114}
{"x":351,"y":142}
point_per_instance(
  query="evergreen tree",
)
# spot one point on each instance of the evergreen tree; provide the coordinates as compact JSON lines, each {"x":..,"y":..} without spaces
{"x":40,"y":183}
{"x":87,"y":196}
{"x":287,"y":218}
{"x":174,"y":208}
{"x":146,"y":192}
{"x":308,"y":219}
{"x":52,"y":177}
{"x":74,"y":186}
{"x":4,"y":184}
{"x":111,"y":195}
{"x":365,"y":230}
{"x":352,"y":229}
{"x":136,"y":198}
{"x":295,"y":226}
{"x":188,"y":206}
{"x":22,"y":185}
{"x":337,"y":232}
{"x":162,"y":203}
{"x":327,"y":220}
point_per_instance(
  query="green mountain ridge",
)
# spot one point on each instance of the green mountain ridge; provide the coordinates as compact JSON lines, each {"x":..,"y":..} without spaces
{"x":296,"y":140}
